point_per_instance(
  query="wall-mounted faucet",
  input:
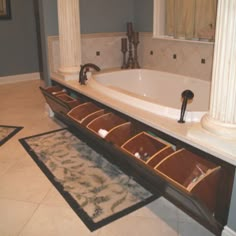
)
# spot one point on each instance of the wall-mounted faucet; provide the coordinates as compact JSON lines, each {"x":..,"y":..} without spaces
{"x":84,"y":69}
{"x":186,"y":95}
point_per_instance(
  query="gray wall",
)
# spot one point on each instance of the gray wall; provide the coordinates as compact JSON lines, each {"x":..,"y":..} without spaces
{"x":48,"y":27}
{"x":105,"y":15}
{"x":112,"y":15}
{"x":18,"y":41}
{"x":143,"y":15}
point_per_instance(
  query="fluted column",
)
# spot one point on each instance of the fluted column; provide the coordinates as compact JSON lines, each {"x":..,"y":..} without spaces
{"x":221,"y":118}
{"x":69,"y":36}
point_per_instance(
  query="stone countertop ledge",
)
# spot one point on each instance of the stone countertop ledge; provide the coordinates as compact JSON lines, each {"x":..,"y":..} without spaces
{"x":189,"y":132}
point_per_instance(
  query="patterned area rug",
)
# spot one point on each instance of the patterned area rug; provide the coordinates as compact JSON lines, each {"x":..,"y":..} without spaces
{"x":98,"y":191}
{"x":7,"y":132}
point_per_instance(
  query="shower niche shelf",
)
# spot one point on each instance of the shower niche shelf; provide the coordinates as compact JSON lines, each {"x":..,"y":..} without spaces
{"x":196,"y":182}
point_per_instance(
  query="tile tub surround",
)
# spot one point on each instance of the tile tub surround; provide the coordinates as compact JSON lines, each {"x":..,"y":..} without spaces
{"x":176,"y":56}
{"x":189,"y":61}
{"x":223,"y":149}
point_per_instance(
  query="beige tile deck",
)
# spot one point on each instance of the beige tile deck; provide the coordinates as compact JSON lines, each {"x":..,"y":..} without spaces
{"x":30,"y":205}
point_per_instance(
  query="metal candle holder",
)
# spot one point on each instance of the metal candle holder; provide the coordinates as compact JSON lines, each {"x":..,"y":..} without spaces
{"x":124,"y":50}
{"x":135,"y":43}
{"x":130,"y":61}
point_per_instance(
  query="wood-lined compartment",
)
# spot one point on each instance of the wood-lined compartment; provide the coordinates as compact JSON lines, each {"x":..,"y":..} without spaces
{"x":85,"y":113}
{"x":160,"y":155}
{"x":58,"y":99}
{"x":144,"y":146}
{"x":55,"y":90}
{"x":193,"y":174}
{"x":121,"y":133}
{"x":103,"y":124}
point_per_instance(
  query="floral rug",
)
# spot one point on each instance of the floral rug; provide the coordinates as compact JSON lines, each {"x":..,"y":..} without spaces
{"x":7,"y":132}
{"x":98,"y":191}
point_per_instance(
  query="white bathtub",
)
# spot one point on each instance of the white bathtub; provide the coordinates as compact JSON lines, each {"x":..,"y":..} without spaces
{"x":154,"y":91}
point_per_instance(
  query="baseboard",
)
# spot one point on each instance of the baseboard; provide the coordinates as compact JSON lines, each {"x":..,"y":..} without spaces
{"x":19,"y":78}
{"x":228,"y":232}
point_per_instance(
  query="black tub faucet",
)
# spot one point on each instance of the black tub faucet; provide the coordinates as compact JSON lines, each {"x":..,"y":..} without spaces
{"x":84,"y":69}
{"x":186,"y":95}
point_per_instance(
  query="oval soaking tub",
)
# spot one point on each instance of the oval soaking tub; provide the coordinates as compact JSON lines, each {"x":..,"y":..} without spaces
{"x":154,"y":91}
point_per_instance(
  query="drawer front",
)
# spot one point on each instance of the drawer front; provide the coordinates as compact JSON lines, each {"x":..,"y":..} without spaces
{"x":58,"y":100}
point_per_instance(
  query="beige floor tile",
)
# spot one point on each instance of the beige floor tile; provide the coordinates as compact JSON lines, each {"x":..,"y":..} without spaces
{"x":160,"y":207}
{"x":55,"y":221}
{"x":24,"y":181}
{"x":14,"y":215}
{"x":54,"y":198}
{"x":193,"y":229}
{"x":138,"y":226}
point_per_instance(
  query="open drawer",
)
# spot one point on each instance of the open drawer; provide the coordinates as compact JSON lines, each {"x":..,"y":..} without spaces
{"x":85,"y":113}
{"x":104,"y":124}
{"x":146,"y":147}
{"x":121,"y":133}
{"x":58,"y":99}
{"x":192,"y":174}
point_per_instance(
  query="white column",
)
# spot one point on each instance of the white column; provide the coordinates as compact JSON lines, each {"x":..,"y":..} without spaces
{"x":221,"y":118}
{"x":69,"y":37}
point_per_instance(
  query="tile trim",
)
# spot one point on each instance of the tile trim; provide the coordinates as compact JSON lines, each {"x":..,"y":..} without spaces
{"x":228,"y":232}
{"x":19,"y":78}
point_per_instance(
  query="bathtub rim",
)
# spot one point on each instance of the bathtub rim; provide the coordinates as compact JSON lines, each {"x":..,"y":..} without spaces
{"x":217,"y":146}
{"x":142,"y":103}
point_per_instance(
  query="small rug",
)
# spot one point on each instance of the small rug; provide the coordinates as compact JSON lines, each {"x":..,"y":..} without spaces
{"x":98,"y":191}
{"x":7,"y":132}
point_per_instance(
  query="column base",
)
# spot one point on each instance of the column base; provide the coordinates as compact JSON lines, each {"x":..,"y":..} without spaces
{"x":226,"y":130}
{"x":221,"y":146}
{"x":228,"y":232}
{"x":68,"y":74}
{"x":69,"y":70}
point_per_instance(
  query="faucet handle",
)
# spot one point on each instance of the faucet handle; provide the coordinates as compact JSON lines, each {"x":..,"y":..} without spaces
{"x":84,"y":70}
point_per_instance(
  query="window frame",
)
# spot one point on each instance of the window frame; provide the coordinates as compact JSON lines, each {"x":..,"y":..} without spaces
{"x":159,"y":25}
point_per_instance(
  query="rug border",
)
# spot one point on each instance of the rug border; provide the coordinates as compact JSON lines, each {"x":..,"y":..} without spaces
{"x":70,"y":200}
{"x":14,"y":132}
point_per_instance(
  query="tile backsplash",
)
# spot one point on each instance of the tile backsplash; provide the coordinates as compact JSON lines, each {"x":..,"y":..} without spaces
{"x":179,"y":57}
{"x":104,"y":49}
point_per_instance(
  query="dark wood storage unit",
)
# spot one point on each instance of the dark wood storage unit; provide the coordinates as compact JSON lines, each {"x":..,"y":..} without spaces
{"x":59,"y":100}
{"x":85,"y":113}
{"x":144,"y":147}
{"x":121,"y":133}
{"x":103,"y":124}
{"x":196,"y":182}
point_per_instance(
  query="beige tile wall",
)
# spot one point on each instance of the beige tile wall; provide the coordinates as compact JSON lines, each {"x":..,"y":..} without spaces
{"x":188,"y":60}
